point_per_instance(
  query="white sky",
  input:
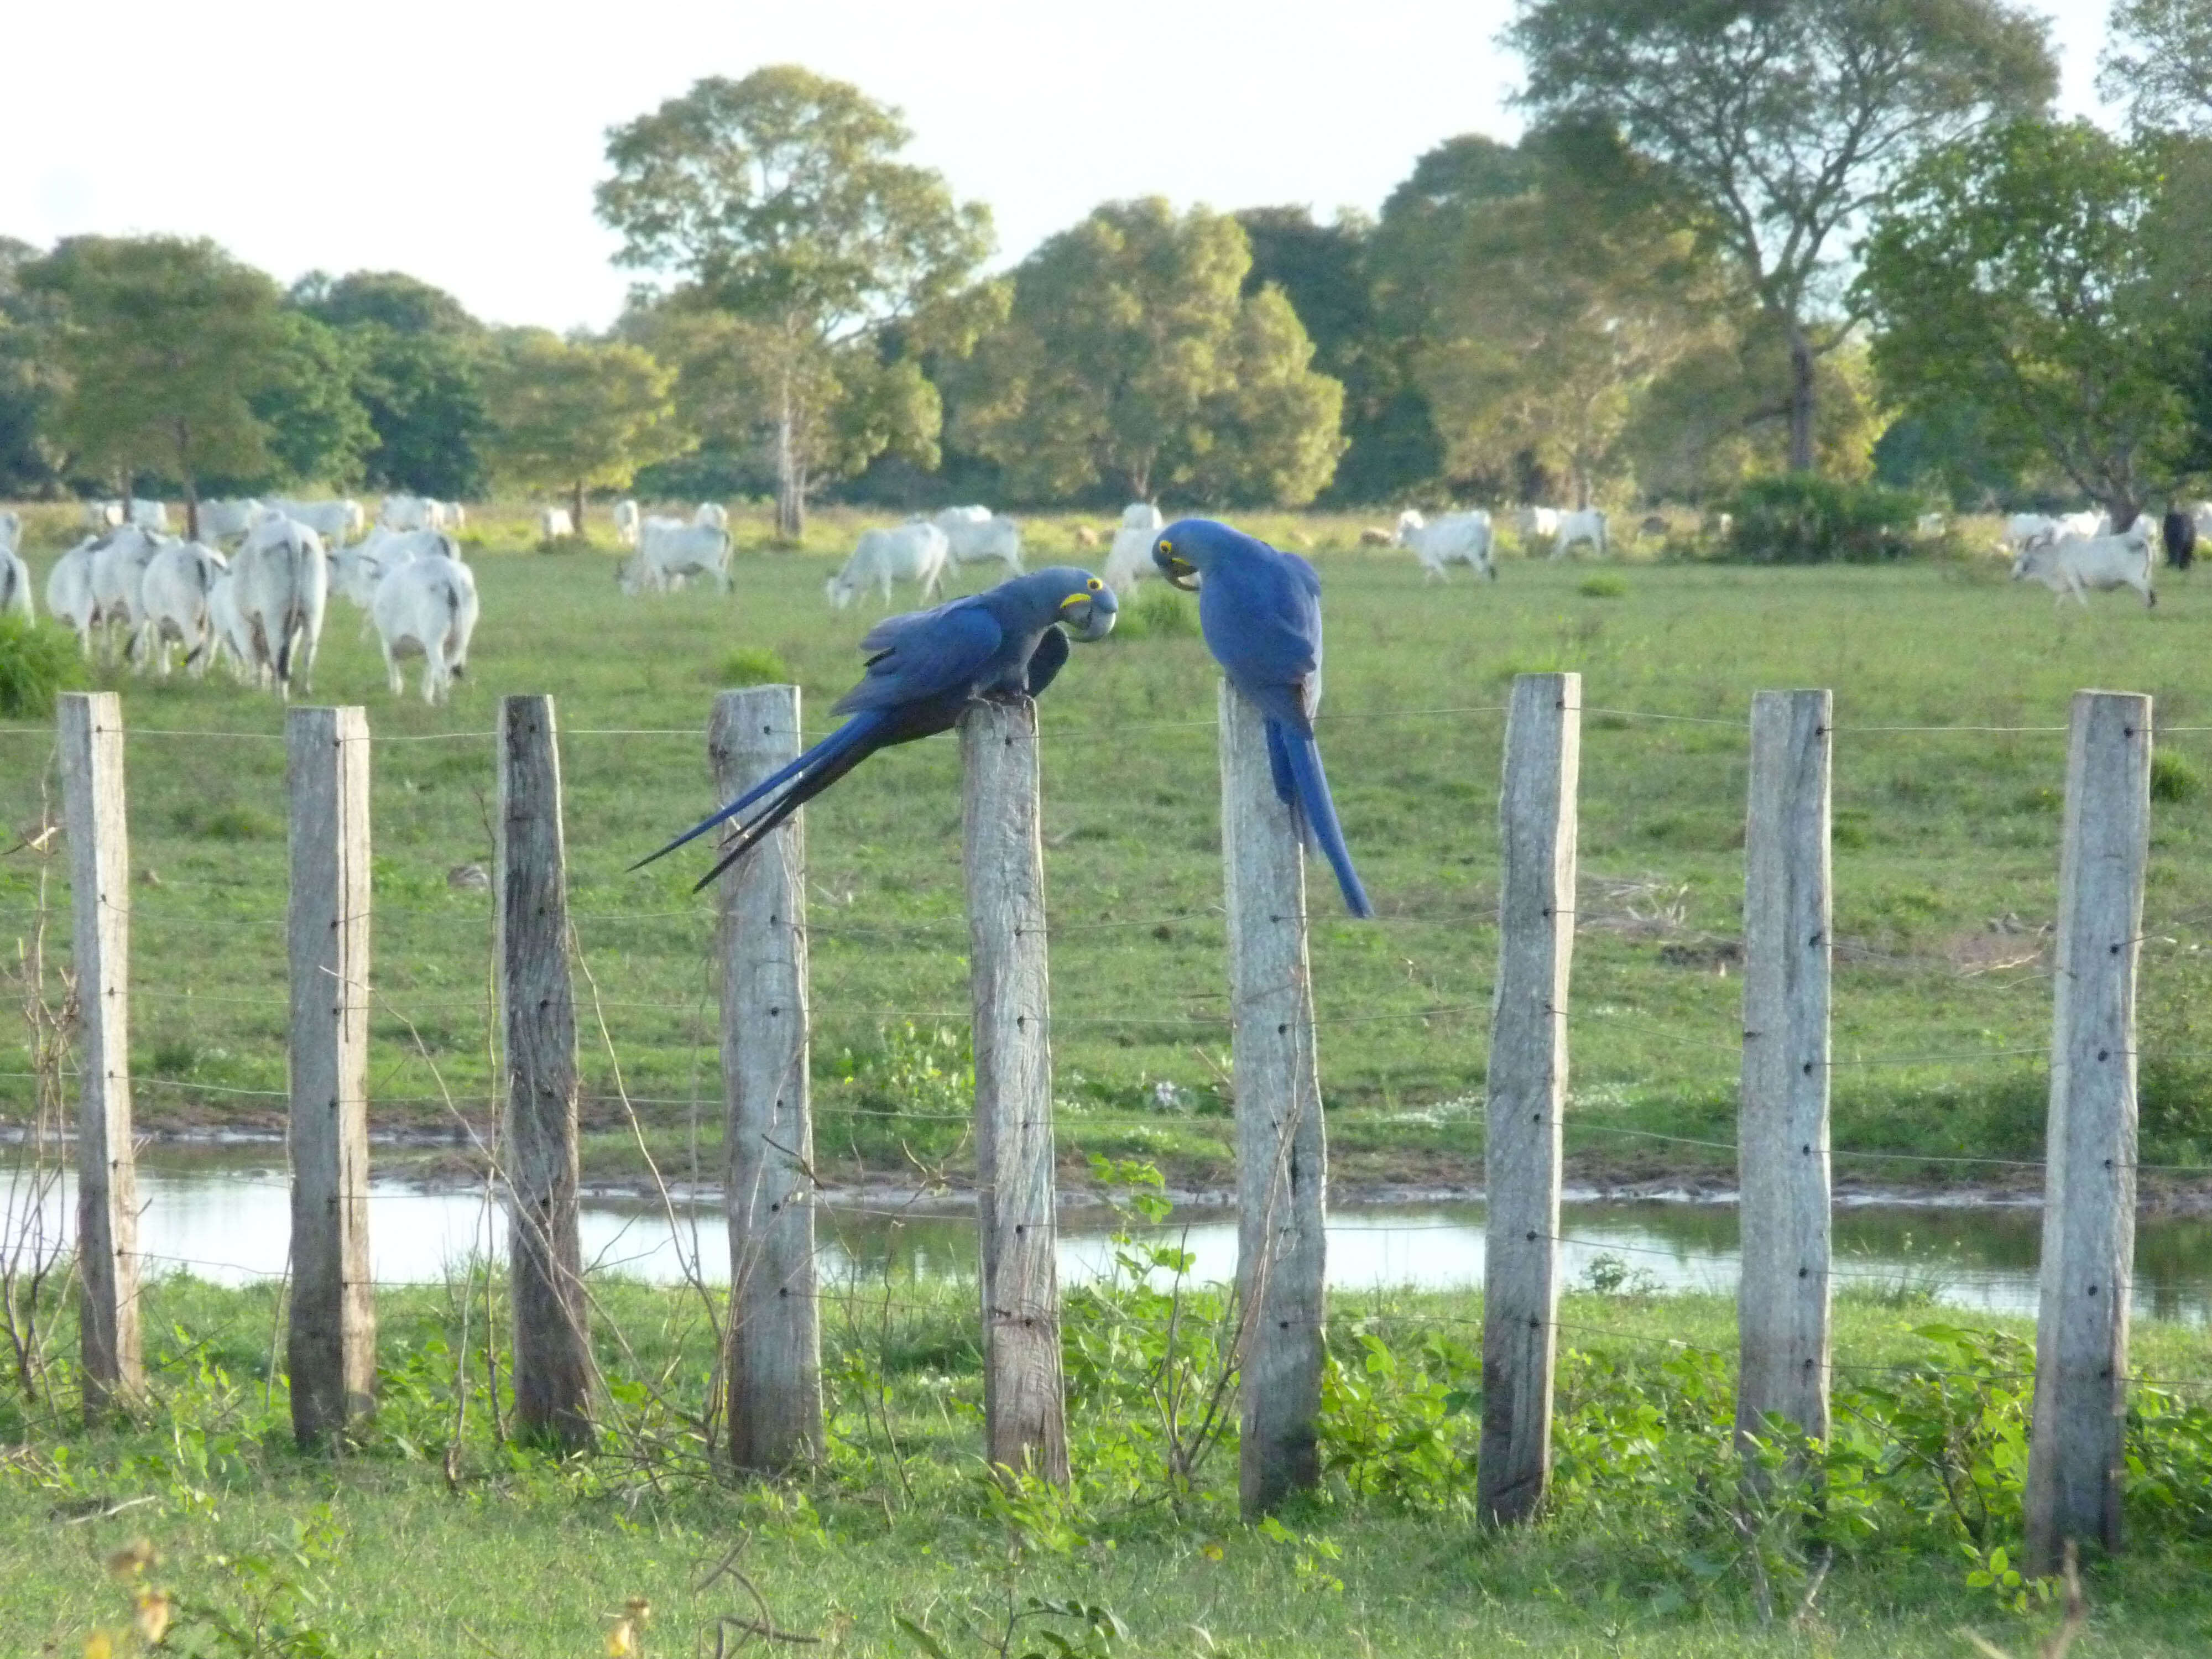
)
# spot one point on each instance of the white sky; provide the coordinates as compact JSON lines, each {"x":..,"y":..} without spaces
{"x":460,"y":140}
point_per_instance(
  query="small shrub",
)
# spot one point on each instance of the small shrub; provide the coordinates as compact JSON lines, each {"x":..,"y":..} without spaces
{"x":1806,"y":521}
{"x":1157,"y":610}
{"x":753,"y":665}
{"x":2172,"y":778}
{"x":1603,"y":586}
{"x":38,"y":662}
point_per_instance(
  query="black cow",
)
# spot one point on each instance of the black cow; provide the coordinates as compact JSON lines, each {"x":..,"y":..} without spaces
{"x":2178,"y":530}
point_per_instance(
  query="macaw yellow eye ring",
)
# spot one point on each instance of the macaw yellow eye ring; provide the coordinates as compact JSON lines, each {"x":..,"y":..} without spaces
{"x":1094,"y":584}
{"x":1166,"y":547}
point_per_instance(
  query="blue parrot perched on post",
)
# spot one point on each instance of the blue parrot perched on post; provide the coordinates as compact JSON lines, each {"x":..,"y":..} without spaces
{"x":1259,"y":610}
{"x":923,"y":670}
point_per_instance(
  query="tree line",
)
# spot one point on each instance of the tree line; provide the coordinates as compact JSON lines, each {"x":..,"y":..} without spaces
{"x":1747,"y":237}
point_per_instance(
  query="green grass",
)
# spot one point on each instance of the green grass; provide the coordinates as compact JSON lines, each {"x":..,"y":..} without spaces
{"x":1946,"y":855}
{"x":403,"y":1549}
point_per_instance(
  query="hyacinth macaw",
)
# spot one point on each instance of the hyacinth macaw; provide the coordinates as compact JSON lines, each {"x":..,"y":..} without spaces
{"x":923,"y":670}
{"x":1259,"y":610}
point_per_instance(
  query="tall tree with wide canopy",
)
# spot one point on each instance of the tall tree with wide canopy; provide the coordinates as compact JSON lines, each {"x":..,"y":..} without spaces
{"x":779,"y":201}
{"x":576,"y":415}
{"x":2157,"y":61}
{"x":1787,"y":121}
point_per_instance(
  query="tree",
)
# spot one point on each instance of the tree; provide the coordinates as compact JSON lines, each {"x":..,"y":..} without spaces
{"x":30,"y":382}
{"x":1786,"y":121}
{"x":2157,"y":61}
{"x":779,"y":201}
{"x":1132,"y":360}
{"x":317,"y":429}
{"x":165,"y":344}
{"x":421,"y":357}
{"x":2051,"y":277}
{"x":575,"y":415}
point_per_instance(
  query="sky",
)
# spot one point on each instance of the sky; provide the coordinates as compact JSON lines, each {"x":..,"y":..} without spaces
{"x":460,"y":140}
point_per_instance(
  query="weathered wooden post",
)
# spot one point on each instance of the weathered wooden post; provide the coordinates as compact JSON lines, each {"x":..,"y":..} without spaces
{"x":774,"y":1359}
{"x":1282,"y":1146}
{"x":331,"y":1351}
{"x":91,"y":725}
{"x":1781,"y":1137}
{"x":2075,"y":1453}
{"x":1024,"y":1405}
{"x":537,"y":1026}
{"x":1527,"y":1093}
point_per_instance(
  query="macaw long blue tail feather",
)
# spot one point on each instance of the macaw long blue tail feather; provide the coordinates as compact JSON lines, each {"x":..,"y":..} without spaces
{"x":855,"y":731}
{"x":1301,"y":756}
{"x":749,"y":836}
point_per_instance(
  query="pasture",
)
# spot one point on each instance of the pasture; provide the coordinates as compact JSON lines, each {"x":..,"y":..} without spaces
{"x":1945,"y":860}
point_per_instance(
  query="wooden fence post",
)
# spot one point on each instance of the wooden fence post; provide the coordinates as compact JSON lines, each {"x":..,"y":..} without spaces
{"x":1024,"y":1405}
{"x":774,"y":1359}
{"x":1782,"y":1136}
{"x":2075,"y":1453}
{"x":332,"y":1349}
{"x":107,"y":1183}
{"x":1526,"y":1093}
{"x":537,"y":1027}
{"x":1282,"y":1147}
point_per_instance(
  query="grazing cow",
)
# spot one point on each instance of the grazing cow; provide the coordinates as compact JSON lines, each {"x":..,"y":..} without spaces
{"x":330,"y":520}
{"x":1129,"y":560}
{"x":1375,"y":536}
{"x":357,"y":569}
{"x":11,"y":532}
{"x":2084,"y":525}
{"x":1456,"y":538}
{"x":427,"y":605}
{"x":174,"y":605}
{"x":1586,"y":525}
{"x":2025,"y":529}
{"x":668,"y":550}
{"x":103,"y":515}
{"x":284,"y":584}
{"x":2073,"y":565}
{"x":711,"y":515}
{"x":1537,"y":523}
{"x":915,"y":552}
{"x":69,"y":590}
{"x":626,"y":523}
{"x":405,"y":513}
{"x":444,"y":515}
{"x":976,"y":536}
{"x":2178,"y":531}
{"x":553,"y":524}
{"x":15,"y":580}
{"x":222,"y":520}
{"x":119,"y":580}
{"x":232,"y":637}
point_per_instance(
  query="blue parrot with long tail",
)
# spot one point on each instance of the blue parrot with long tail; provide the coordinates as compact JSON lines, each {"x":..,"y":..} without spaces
{"x":923,"y":670}
{"x":1259,"y":610}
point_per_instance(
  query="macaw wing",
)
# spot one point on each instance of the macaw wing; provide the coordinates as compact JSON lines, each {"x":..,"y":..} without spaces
{"x":1261,"y":619}
{"x":928,"y":654}
{"x":1048,"y":660}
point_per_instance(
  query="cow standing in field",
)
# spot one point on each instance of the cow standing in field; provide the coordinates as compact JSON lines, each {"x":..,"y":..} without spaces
{"x":553,"y":524}
{"x":1456,"y":538}
{"x":427,"y":605}
{"x":14,"y":575}
{"x":916,"y":552}
{"x":668,"y":550}
{"x":2177,"y":530}
{"x":227,"y":520}
{"x":1129,"y":560}
{"x":2073,"y":564}
{"x":627,"y":521}
{"x":68,"y":591}
{"x":174,"y":606}
{"x":1584,"y":525}
{"x":282,"y":586}
{"x":975,"y":535}
{"x":118,"y":582}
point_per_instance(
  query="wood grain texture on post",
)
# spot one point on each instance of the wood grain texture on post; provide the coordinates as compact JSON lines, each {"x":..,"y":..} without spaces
{"x":330,"y":1348}
{"x":91,"y":732}
{"x":1781,"y":1133}
{"x":2075,"y":1452}
{"x":1024,"y":1404}
{"x":774,"y":1359}
{"x":1282,"y":1144}
{"x":1527,"y":1093}
{"x":537,"y":1026}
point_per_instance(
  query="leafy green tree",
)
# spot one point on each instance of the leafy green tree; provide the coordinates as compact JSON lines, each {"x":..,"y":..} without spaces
{"x":1132,"y":360}
{"x":2157,"y":61}
{"x":317,"y":430}
{"x":30,"y":379}
{"x":166,"y":345}
{"x":1786,"y":121}
{"x":779,"y":201}
{"x":575,"y":416}
{"x":2051,"y":277}
{"x":419,"y":378}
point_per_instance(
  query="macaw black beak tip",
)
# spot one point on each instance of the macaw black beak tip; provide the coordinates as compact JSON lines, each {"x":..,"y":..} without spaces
{"x":1180,"y":573}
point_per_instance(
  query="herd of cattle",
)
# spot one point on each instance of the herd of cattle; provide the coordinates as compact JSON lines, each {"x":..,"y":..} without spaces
{"x":134,"y":591}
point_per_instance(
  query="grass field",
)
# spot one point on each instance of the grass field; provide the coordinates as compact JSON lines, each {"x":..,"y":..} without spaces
{"x":1946,"y":858}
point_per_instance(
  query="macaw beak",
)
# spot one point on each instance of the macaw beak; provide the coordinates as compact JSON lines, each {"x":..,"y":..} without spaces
{"x":1179,"y":571}
{"x":1090,"y":617}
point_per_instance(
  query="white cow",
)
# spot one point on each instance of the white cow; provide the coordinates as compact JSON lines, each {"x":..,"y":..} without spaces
{"x":119,"y":580}
{"x":1538,"y":524}
{"x":711,"y":515}
{"x":403,"y":512}
{"x":2203,"y":517}
{"x":233,"y":638}
{"x":447,"y":515}
{"x":427,"y":606}
{"x":626,"y":523}
{"x":174,"y":605}
{"x":149,"y":516}
{"x":2025,"y":529}
{"x":975,"y":535}
{"x":1129,"y":560}
{"x":1584,"y":524}
{"x":553,"y":524}
{"x":103,"y":515}
{"x":14,"y":582}
{"x":915,"y":552}
{"x":668,"y":550}
{"x":69,"y":590}
{"x":222,"y":520}
{"x":11,"y":532}
{"x":2073,"y":565}
{"x":357,"y":570}
{"x":284,"y":585}
{"x":2085,"y":525}
{"x":1456,"y":539}
{"x":331,"y":521}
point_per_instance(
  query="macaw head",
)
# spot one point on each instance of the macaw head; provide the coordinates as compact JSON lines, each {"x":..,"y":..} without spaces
{"x":1076,"y":599}
{"x":1188,"y":547}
